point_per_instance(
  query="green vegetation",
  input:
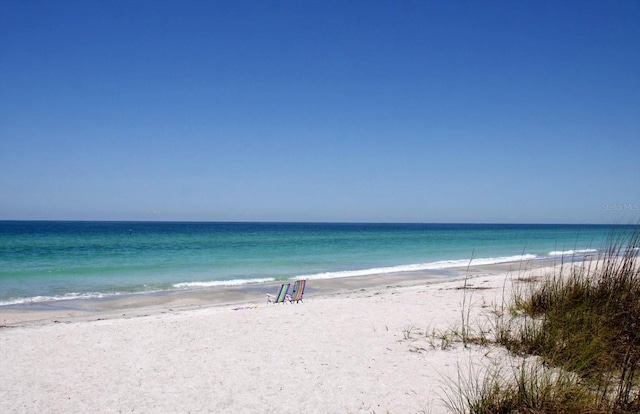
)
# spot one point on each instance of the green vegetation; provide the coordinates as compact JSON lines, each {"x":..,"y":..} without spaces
{"x":582,"y":325}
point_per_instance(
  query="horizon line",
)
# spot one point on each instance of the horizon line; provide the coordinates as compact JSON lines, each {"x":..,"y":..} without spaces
{"x":318,"y":222}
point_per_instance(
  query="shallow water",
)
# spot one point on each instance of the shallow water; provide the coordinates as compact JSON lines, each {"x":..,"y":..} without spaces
{"x":43,"y":261}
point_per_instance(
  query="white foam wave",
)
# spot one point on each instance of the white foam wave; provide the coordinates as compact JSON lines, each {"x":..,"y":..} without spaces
{"x":444,"y":264}
{"x":43,"y":299}
{"x":571,"y":252}
{"x":220,"y":283}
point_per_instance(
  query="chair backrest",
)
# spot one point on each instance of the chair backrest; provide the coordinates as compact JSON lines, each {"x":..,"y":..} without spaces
{"x":283,"y":293}
{"x":298,"y":290}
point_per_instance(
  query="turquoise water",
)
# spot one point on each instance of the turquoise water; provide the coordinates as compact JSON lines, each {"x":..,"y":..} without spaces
{"x":58,"y":260}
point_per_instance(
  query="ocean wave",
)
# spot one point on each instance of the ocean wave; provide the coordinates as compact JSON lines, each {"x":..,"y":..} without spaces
{"x":76,"y":296}
{"x":438,"y":265}
{"x":44,"y":299}
{"x":221,"y":283}
{"x":571,"y":252}
{"x":443,"y":264}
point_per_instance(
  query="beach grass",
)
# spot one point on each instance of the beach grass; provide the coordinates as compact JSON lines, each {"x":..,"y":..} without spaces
{"x":581,"y":327}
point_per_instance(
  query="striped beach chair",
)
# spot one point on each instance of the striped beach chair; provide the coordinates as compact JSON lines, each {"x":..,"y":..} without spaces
{"x":298,"y":291}
{"x":282,"y":295}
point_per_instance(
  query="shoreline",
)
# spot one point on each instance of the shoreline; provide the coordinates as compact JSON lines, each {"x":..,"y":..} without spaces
{"x":254,"y":294}
{"x":135,"y":304}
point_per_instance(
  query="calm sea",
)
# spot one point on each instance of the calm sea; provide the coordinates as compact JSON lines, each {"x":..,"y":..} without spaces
{"x":60,"y":260}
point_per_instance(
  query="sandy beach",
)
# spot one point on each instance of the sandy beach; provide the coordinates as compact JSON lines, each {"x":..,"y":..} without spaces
{"x":352,"y":346}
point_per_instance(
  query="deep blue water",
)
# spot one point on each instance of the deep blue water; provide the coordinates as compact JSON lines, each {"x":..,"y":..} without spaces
{"x":44,"y":260}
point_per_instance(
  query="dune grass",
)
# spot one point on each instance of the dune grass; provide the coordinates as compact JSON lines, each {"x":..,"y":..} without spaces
{"x":582,"y":325}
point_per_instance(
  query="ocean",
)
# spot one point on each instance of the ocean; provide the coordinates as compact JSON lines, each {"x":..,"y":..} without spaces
{"x":49,"y":261}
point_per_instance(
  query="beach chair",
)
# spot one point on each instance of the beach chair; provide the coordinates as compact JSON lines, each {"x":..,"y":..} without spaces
{"x":282,"y":295}
{"x":298,"y":291}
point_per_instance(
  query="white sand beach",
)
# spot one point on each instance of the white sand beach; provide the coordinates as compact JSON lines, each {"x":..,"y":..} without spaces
{"x":349,"y":351}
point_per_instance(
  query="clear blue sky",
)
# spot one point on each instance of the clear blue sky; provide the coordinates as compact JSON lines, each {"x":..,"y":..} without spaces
{"x":370,"y":111}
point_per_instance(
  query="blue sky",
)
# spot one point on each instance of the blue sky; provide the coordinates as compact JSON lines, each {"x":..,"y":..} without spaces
{"x":368,"y":111}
